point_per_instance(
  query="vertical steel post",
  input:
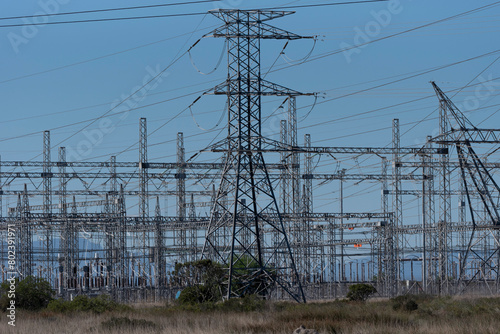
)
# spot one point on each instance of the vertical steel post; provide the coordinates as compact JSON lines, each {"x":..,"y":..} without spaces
{"x":397,"y":205}
{"x":47,"y":203}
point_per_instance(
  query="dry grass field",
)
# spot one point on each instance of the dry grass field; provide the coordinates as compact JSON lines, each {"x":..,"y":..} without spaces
{"x":433,"y":315}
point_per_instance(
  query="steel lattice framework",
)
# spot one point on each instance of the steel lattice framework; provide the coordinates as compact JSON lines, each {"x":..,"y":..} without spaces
{"x":245,"y":180}
{"x":475,"y":178}
{"x":89,"y":226}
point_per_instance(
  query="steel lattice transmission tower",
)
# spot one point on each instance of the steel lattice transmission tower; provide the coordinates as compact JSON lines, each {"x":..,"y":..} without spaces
{"x":245,"y":205}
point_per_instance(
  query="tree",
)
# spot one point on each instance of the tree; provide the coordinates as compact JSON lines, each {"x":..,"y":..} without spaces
{"x":206,"y":281}
{"x":360,"y":292}
{"x":249,"y":278}
{"x":31,"y":293}
{"x":202,"y":280}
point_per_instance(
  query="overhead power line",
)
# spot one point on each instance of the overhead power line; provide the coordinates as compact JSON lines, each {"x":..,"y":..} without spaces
{"x":323,"y":4}
{"x":110,"y":9}
{"x":331,"y":53}
{"x":154,"y":16}
{"x":104,"y":19}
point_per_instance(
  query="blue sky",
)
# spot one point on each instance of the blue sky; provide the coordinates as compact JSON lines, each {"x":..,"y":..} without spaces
{"x":59,"y":75}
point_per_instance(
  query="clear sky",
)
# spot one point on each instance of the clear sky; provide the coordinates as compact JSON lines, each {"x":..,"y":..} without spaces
{"x":58,"y":77}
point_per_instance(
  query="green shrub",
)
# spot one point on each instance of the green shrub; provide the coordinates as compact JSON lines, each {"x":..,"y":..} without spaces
{"x":199,"y":294}
{"x":411,"y":305}
{"x":406,"y":303}
{"x":58,"y":305}
{"x":124,"y":323}
{"x":203,"y":279}
{"x":31,"y":293}
{"x":360,"y":292}
{"x":248,"y":303}
{"x":99,"y":304}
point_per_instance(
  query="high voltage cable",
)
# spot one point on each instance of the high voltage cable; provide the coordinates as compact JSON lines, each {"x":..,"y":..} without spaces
{"x":378,"y":86}
{"x":331,"y":53}
{"x":308,"y":126}
{"x":116,"y":53}
{"x":419,"y":73}
{"x":472,"y":80}
{"x":107,"y":104}
{"x":314,"y":58}
{"x":420,"y":27}
{"x":406,"y":78}
{"x":322,"y":4}
{"x":167,"y":15}
{"x":104,"y":56}
{"x":425,"y":119}
{"x":94,"y":119}
{"x":103,"y":20}
{"x":110,"y":9}
{"x":177,"y":57}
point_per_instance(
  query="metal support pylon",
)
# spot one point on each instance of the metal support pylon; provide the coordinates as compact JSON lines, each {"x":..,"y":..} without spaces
{"x":112,"y":229}
{"x":252,"y":207}
{"x":285,"y":194}
{"x":25,"y":242}
{"x":445,"y":204}
{"x":294,"y":157}
{"x":397,"y":204}
{"x":122,"y":242}
{"x":47,"y":203}
{"x":143,"y":199}
{"x":305,"y":236}
{"x":382,"y":263}
{"x":109,"y":240}
{"x":193,"y":231}
{"x":65,"y":246}
{"x":180,"y":232}
{"x":481,"y":189}
{"x":159,"y":254}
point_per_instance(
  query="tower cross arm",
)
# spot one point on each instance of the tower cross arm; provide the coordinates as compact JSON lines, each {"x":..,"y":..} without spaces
{"x":470,"y":135}
{"x":267,"y":88}
{"x":235,"y":15}
{"x":264,"y":31}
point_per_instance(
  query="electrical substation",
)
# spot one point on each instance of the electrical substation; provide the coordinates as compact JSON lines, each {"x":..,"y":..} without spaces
{"x":98,"y":227}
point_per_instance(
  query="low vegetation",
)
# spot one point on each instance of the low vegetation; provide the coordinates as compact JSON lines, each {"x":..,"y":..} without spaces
{"x":203,"y":280}
{"x":31,"y":293}
{"x":127,"y":324}
{"x":405,"y":314}
{"x":39,"y":312}
{"x":99,"y":304}
{"x":360,"y":292}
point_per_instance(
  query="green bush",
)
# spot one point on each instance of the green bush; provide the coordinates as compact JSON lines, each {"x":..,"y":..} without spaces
{"x":203,"y":279}
{"x":411,"y":305}
{"x":360,"y":292}
{"x":58,"y":305}
{"x":250,"y":278}
{"x":99,"y":304}
{"x":124,"y":323}
{"x":199,"y":294}
{"x":248,"y":303}
{"x":408,"y":303}
{"x":31,"y":293}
